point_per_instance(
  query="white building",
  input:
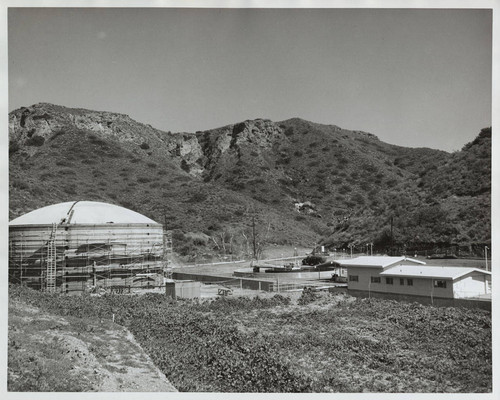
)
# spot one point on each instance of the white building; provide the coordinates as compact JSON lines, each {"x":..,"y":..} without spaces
{"x":406,"y":276}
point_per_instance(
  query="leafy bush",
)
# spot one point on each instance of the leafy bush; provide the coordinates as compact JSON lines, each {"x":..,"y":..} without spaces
{"x":313,"y":260}
{"x":358,"y":199}
{"x":37,"y":191}
{"x":185,"y":166}
{"x":13,"y":147}
{"x":344,"y":189}
{"x":391,"y":182}
{"x":66,"y":171}
{"x":197,"y":197}
{"x":46,"y":175}
{"x":72,"y":190}
{"x":43,"y":116}
{"x":144,"y":146}
{"x":307,"y":296}
{"x":36,"y":141}
{"x":97,"y":141}
{"x":57,"y":134}
{"x":64,"y":163}
{"x":143,"y":179}
{"x":178,"y":235}
{"x":20,"y":184}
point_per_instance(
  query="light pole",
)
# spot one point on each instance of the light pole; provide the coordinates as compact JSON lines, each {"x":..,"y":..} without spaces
{"x":486,"y":256}
{"x":371,"y":249}
{"x":432,"y":291}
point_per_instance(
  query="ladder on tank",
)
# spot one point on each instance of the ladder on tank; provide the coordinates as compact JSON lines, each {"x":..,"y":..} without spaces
{"x":167,"y":242}
{"x":51,"y":261}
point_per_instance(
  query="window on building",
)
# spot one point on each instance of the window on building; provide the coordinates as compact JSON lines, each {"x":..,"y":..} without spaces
{"x":389,"y":281}
{"x":440,"y":284}
{"x":409,"y":282}
{"x":353,"y":278}
{"x":401,"y":281}
{"x":375,"y":279}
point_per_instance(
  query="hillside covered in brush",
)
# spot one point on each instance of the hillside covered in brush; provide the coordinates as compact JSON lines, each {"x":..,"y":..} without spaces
{"x":300,"y":182}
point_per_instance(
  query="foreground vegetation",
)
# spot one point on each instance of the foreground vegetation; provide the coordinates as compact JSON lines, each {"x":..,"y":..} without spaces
{"x":327,"y":343}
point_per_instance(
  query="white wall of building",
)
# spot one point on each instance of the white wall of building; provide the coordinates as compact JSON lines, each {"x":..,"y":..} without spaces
{"x":420,"y":286}
{"x":470,"y":285}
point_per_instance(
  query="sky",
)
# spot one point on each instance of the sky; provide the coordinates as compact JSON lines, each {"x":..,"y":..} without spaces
{"x":413,"y":77}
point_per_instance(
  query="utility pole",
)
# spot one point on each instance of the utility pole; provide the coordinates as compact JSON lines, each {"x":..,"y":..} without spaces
{"x":167,"y":248}
{"x":392,"y":243}
{"x":254,"y":240}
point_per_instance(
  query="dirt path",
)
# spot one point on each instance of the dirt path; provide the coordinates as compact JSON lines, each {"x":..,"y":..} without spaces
{"x":102,"y":354}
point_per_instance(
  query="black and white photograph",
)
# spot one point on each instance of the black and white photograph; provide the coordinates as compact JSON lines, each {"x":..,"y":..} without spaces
{"x":246,"y":197}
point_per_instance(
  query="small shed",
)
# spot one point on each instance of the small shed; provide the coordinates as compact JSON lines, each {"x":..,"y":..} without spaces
{"x":184,"y":289}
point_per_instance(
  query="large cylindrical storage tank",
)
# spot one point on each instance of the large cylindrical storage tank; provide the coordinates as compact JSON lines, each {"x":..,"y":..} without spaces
{"x":80,"y":245}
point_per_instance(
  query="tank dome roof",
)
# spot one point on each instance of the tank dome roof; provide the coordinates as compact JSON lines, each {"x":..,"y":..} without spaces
{"x":81,"y":212}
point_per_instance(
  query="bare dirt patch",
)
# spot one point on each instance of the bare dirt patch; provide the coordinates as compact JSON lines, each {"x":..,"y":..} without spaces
{"x":91,"y":355}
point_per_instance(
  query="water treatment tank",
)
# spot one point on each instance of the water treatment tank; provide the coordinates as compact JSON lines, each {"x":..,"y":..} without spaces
{"x":80,"y":244}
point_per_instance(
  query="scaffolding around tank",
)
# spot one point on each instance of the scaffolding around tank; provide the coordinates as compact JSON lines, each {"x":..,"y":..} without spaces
{"x":71,"y":257}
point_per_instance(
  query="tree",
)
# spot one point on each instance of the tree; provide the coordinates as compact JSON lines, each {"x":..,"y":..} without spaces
{"x":255,"y":234}
{"x":223,"y":241}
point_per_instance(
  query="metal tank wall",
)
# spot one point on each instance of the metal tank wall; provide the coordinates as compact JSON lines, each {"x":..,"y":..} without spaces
{"x":114,"y":255}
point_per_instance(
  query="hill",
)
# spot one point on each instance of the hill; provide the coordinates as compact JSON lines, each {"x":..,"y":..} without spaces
{"x":295,"y":181}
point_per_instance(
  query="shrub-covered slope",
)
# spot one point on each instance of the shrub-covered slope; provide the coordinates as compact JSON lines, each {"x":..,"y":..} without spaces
{"x":302,"y":182}
{"x":334,"y":343}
